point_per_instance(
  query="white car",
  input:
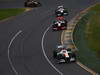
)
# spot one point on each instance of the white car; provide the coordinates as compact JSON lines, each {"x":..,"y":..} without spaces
{"x":61,"y":11}
{"x":64,"y":55}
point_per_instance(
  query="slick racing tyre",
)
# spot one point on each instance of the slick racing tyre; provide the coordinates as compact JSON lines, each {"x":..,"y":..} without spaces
{"x":73,"y":58}
{"x":54,"y":54}
{"x":25,"y":4}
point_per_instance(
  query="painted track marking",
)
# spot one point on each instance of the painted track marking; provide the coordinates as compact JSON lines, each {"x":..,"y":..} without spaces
{"x":9,"y":59}
{"x":42,"y":44}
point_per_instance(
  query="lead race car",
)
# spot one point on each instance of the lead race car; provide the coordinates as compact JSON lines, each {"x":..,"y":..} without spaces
{"x":32,"y":3}
{"x":63,"y":55}
{"x":59,"y":24}
{"x":61,"y":11}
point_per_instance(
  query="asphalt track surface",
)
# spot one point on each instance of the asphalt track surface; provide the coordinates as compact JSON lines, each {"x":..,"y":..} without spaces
{"x":25,"y":38}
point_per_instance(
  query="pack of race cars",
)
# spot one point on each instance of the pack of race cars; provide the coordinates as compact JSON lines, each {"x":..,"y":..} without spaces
{"x":61,"y":54}
{"x":60,"y":23}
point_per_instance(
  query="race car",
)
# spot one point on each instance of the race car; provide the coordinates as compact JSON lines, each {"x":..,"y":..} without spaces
{"x":59,"y":24}
{"x":32,"y":3}
{"x":61,"y":11}
{"x":64,"y":55}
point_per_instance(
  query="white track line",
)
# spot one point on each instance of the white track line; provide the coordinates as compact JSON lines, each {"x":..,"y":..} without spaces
{"x":10,"y":62}
{"x":42,"y":44}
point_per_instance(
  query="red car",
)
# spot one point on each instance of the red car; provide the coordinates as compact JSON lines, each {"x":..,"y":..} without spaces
{"x":59,"y":24}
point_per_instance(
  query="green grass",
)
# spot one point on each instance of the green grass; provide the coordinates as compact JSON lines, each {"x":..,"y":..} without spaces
{"x":86,"y":38}
{"x":92,"y":30}
{"x":5,"y":13}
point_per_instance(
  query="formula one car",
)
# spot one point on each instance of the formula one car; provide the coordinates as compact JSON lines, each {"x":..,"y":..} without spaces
{"x":32,"y":3}
{"x":64,"y":55}
{"x":61,"y":11}
{"x":59,"y":24}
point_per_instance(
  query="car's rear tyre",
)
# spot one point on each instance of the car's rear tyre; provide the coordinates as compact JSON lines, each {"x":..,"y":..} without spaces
{"x":67,"y":60}
{"x":25,"y":4}
{"x":39,"y":4}
{"x":74,"y":57}
{"x":54,"y":54}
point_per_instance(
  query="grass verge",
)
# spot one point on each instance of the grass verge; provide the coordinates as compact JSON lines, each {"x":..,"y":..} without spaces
{"x":5,"y":13}
{"x":86,"y":38}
